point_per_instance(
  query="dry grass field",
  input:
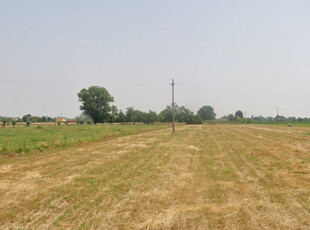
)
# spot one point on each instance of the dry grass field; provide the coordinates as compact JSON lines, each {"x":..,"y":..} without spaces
{"x":201,"y":177}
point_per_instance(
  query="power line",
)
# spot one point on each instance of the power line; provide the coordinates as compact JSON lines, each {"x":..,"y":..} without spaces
{"x":74,"y":83}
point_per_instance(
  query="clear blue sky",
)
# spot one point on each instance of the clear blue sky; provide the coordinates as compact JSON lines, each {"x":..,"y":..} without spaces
{"x":247,"y":55}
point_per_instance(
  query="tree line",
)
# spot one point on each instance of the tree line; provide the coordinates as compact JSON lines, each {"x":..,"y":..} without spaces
{"x":131,"y":115}
{"x":96,"y":106}
{"x":238,"y":117}
{"x":96,"y":103}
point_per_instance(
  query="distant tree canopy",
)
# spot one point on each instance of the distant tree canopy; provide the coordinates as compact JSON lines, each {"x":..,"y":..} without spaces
{"x":231,"y":117}
{"x":182,"y":114}
{"x":96,"y":103}
{"x":130,"y":115}
{"x":151,"y":117}
{"x":134,"y":116}
{"x":193,"y":119}
{"x":260,"y":119}
{"x":113,"y":115}
{"x":26,"y":117}
{"x":206,"y":112}
{"x":239,"y":114}
{"x":280,"y":118}
{"x":121,"y":117}
{"x":4,"y":121}
{"x":166,"y":114}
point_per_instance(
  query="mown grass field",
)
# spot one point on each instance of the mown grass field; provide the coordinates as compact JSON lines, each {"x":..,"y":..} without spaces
{"x":285,"y":123}
{"x":201,"y":177}
{"x":23,"y":139}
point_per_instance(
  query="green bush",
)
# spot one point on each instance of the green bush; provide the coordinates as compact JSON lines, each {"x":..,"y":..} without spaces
{"x":80,"y":121}
{"x":193,"y":119}
{"x":14,"y":122}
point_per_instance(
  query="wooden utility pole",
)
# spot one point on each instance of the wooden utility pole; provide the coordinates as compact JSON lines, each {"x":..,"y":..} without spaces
{"x":277,"y":116}
{"x":173,"y":106}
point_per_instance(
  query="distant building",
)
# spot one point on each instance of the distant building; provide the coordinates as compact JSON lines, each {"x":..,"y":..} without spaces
{"x":14,"y":118}
{"x":34,"y":117}
{"x":61,"y":119}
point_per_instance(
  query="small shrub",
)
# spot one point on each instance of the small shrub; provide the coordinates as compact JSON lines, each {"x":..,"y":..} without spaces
{"x":19,"y":150}
{"x":27,"y":123}
{"x":25,"y":149}
{"x":3,"y":123}
{"x":65,"y":140}
{"x":81,"y":122}
{"x":14,"y":122}
{"x":248,"y":121}
{"x":4,"y":148}
{"x":43,"y":145}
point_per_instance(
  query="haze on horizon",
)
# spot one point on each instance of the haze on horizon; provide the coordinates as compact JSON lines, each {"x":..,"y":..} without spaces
{"x":252,"y":56}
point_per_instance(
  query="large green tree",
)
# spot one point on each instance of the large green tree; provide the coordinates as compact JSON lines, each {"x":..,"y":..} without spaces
{"x":96,"y":103}
{"x":231,"y":117}
{"x":26,"y":117}
{"x":193,"y":119}
{"x":151,"y":117}
{"x":206,"y":112}
{"x":121,"y":117}
{"x":182,"y":113}
{"x":166,"y":114}
{"x":130,"y":115}
{"x":114,"y":114}
{"x":239,"y":114}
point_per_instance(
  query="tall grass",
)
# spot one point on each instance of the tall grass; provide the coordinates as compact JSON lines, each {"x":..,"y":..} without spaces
{"x":22,"y":139}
